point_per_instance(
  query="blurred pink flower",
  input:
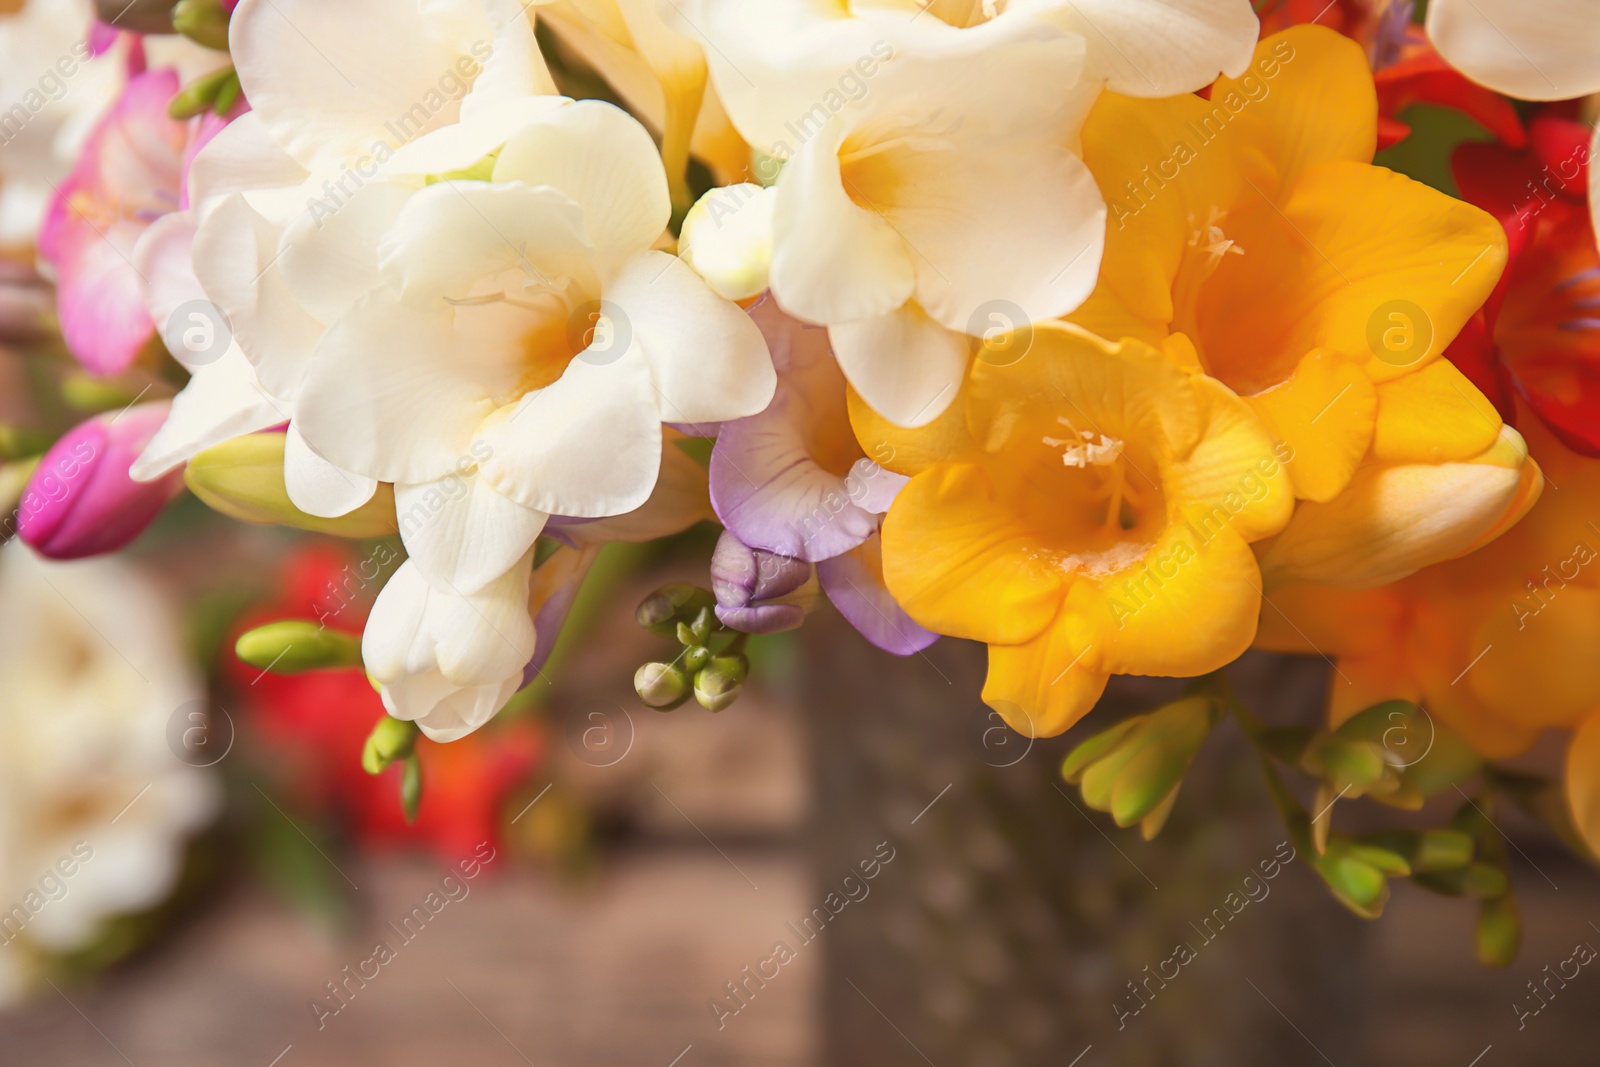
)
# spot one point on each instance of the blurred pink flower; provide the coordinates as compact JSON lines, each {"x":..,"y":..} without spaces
{"x":81,"y":501}
{"x":133,"y":171}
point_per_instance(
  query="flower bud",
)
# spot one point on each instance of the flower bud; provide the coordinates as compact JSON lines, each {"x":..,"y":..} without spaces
{"x":243,"y":479}
{"x":80,"y":500}
{"x":204,"y":22}
{"x":392,"y":739}
{"x":206,"y":94}
{"x":727,"y":239}
{"x":661,"y":611}
{"x":297,"y":645}
{"x":1499,"y":932}
{"x":759,"y":592}
{"x":719,"y":684}
{"x":1134,"y":770}
{"x":661,"y":686}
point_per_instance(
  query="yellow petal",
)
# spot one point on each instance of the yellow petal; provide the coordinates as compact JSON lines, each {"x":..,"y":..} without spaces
{"x":1433,"y":416}
{"x":1324,"y":413}
{"x":1544,"y":639}
{"x":963,"y":565}
{"x":1394,"y":520}
{"x":1319,"y":106}
{"x":1394,"y":282}
{"x":1583,"y":781}
{"x":1153,"y":163}
{"x":1149,"y":612}
{"x":1043,"y":687}
{"x":912,"y":451}
{"x":1233,"y":473}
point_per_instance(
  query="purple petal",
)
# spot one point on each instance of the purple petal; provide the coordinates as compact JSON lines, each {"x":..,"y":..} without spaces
{"x":854,"y":582}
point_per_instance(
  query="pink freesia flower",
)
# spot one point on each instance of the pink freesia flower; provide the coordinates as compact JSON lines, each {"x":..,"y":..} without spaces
{"x":792,"y":484}
{"x":81,"y":501}
{"x":132,"y":172}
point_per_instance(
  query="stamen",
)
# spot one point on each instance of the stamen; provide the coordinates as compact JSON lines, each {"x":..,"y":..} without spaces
{"x":1579,"y":278}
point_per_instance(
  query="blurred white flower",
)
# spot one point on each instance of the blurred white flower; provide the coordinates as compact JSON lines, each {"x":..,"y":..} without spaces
{"x":52,"y":89}
{"x":95,"y":806}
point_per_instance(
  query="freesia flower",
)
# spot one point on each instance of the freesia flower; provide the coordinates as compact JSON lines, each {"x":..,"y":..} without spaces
{"x":53,"y":86}
{"x":1537,"y":337}
{"x":287,"y":182}
{"x":81,"y":500}
{"x":924,"y":192}
{"x":1237,"y":251}
{"x":793,"y":485}
{"x":449,"y":659}
{"x":92,"y":673}
{"x":130,"y":174}
{"x":1085,"y":511}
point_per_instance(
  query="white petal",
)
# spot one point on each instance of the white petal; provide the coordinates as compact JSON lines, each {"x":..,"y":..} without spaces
{"x":243,"y":158}
{"x":316,"y":486}
{"x":727,"y":239}
{"x":707,"y":357}
{"x":221,"y":401}
{"x":1543,"y":51}
{"x":587,"y":446}
{"x":332,"y":81}
{"x":833,"y":261}
{"x":906,"y":367}
{"x":331,"y":259}
{"x":488,"y":126}
{"x":236,"y":253}
{"x":394,"y":394}
{"x":1159,"y":47}
{"x":515,"y":70}
{"x":999,"y":230}
{"x":452,"y":234}
{"x":602,"y":158}
{"x":462,"y":534}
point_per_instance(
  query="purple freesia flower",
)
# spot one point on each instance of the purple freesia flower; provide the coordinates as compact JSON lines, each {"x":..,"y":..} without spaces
{"x":748,"y":583}
{"x":793,"y":484}
{"x":81,"y":501}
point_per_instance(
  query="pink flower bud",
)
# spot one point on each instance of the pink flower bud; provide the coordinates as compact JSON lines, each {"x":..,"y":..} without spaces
{"x":81,"y":501}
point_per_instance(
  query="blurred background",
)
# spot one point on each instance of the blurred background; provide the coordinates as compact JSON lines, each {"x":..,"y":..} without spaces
{"x":854,"y":864}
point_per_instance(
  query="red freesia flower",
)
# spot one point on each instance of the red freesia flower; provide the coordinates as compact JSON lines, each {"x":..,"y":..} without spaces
{"x":1538,"y":336}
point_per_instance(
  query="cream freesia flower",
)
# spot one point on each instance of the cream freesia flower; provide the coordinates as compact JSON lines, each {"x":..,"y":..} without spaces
{"x":924,"y":193}
{"x":335,"y":91}
{"x":92,"y":672}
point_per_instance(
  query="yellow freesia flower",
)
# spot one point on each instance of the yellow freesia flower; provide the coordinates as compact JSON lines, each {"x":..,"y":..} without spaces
{"x":1086,"y":511}
{"x":1497,"y":645}
{"x":1251,"y":238}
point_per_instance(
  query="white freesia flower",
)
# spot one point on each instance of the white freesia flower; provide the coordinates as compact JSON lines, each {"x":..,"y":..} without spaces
{"x":92,"y":671}
{"x":51,"y":93}
{"x":335,"y":91}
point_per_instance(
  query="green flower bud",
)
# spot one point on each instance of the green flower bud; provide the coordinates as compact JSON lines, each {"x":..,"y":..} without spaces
{"x":719,"y":684}
{"x":695,"y":658}
{"x":204,"y":22}
{"x":1499,"y":931}
{"x":201,"y":94}
{"x":297,"y":645}
{"x":243,"y":479}
{"x":661,"y":611}
{"x":1091,"y":751}
{"x":411,"y":787}
{"x":1167,"y":745}
{"x":661,"y":686}
{"x":392,"y":739}
{"x":1358,"y":885}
